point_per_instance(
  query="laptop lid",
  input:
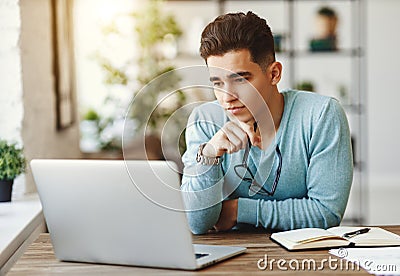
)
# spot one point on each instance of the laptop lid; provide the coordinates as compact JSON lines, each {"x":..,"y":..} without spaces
{"x":96,"y":214}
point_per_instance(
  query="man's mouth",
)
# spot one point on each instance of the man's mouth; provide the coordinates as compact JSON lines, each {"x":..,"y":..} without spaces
{"x":235,"y":109}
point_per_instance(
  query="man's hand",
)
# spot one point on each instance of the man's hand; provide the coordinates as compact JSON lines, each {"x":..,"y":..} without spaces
{"x":228,"y":217}
{"x":232,"y":137}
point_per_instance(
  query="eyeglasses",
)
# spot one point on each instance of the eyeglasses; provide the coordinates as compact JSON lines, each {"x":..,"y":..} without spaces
{"x":242,"y":170}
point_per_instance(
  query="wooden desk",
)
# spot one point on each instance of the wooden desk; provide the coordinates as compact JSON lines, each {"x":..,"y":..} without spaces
{"x":39,"y":259}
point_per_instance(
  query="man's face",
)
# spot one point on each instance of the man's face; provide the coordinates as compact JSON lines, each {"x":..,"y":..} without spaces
{"x":240,"y":85}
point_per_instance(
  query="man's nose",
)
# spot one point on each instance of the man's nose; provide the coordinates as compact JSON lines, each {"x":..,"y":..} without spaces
{"x":229,"y":94}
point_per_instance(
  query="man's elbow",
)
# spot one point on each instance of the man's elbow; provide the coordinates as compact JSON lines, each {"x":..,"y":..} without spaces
{"x":202,"y":221}
{"x":199,"y":229}
{"x":331,"y":219}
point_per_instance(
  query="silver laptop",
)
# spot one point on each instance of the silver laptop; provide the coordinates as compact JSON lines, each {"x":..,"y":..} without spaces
{"x":118,"y":212}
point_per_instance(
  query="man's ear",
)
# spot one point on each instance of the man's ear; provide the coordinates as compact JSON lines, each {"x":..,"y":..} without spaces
{"x":275,"y":71}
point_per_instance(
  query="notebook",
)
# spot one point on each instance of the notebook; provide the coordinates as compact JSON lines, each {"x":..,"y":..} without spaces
{"x":120,"y":212}
{"x":339,"y":236}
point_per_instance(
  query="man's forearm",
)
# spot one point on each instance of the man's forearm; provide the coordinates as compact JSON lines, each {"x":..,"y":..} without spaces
{"x":290,"y":213}
{"x":202,"y":194}
{"x":228,"y":216}
{"x":203,"y":220}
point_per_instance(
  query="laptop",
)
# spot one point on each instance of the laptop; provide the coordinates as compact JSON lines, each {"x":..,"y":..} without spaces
{"x":120,"y":212}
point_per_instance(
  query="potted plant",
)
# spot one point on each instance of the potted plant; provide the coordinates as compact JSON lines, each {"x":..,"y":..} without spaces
{"x":12,"y":164}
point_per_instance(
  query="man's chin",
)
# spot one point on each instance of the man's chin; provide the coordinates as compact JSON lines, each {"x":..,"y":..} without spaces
{"x":244,"y":119}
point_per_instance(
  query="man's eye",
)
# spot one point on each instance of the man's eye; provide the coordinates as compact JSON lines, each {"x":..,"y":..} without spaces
{"x":217,"y":83}
{"x":240,"y":80}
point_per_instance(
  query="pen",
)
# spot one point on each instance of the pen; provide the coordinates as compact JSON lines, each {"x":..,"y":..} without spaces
{"x":355,"y":233}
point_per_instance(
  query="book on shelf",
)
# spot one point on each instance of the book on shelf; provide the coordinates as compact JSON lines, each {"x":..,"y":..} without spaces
{"x":340,"y":236}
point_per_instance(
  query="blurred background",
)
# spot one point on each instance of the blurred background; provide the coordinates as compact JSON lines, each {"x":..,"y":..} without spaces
{"x":70,"y":69}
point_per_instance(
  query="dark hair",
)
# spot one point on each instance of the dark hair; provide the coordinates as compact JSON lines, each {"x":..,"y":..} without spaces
{"x":326,"y":11}
{"x":236,"y":31}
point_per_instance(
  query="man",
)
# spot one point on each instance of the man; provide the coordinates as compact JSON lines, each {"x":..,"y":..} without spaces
{"x":234,"y":174}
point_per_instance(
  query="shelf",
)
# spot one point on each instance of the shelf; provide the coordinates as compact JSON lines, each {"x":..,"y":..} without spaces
{"x":356,"y":52}
{"x":249,"y":1}
{"x":294,"y":53}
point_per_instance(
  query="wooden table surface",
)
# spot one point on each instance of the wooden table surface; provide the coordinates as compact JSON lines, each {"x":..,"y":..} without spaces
{"x":39,"y":259}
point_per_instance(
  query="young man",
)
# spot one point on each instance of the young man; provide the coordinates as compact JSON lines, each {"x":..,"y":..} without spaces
{"x":234,"y":174}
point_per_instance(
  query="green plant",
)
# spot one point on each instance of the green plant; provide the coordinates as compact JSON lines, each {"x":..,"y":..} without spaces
{"x":97,"y":126}
{"x":12,"y":161}
{"x":157,"y":33}
{"x":91,"y":115}
{"x":154,"y":30}
{"x":305,"y":86}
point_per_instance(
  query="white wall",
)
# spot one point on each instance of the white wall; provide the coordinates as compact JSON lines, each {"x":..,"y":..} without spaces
{"x":90,"y":41}
{"x":27,"y":96}
{"x":11,"y":107}
{"x":40,"y":137}
{"x":383,"y":44}
{"x":10,"y":71}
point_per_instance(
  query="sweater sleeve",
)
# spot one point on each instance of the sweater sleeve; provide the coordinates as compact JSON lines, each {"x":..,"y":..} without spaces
{"x":201,"y":185}
{"x":328,"y":181}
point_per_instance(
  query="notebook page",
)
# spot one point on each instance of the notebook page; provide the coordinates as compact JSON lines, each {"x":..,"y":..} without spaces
{"x":341,"y":230}
{"x":375,"y":236}
{"x":305,"y":235}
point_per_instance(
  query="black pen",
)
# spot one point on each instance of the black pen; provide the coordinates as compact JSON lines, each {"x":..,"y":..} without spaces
{"x":355,"y":233}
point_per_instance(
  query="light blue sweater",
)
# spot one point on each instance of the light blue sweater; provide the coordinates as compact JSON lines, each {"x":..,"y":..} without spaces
{"x":316,"y":175}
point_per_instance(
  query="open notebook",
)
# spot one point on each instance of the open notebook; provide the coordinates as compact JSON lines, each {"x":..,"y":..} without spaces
{"x":334,"y":237}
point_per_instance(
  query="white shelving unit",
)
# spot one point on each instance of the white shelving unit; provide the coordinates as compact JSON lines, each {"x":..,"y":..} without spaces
{"x":330,"y":70}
